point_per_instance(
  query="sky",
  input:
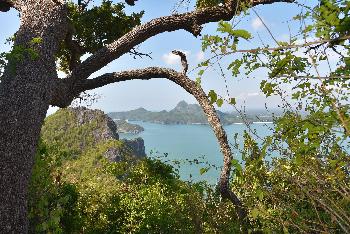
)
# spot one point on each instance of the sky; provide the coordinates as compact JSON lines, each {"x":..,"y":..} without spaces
{"x":160,"y":94}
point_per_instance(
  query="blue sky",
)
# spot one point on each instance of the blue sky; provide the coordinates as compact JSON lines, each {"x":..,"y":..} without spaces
{"x":162,"y":94}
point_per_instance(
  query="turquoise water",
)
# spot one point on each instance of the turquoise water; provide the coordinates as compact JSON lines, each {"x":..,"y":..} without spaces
{"x":181,"y":142}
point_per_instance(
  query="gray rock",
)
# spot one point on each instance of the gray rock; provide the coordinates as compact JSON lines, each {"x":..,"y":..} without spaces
{"x":137,"y":146}
{"x":105,"y":130}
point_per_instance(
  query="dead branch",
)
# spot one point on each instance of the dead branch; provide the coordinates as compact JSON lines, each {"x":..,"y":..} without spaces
{"x":183,"y":60}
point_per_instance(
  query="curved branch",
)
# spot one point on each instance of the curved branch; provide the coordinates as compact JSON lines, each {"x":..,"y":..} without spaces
{"x":190,"y":22}
{"x":183,"y":60}
{"x":193,"y":88}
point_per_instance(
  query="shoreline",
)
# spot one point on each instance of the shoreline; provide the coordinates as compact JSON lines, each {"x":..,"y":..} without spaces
{"x":206,"y":124}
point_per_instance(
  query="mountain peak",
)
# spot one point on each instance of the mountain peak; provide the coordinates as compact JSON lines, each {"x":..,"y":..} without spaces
{"x":181,"y":105}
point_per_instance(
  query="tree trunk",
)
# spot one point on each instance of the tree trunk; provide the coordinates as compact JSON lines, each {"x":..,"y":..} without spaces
{"x":25,"y":93}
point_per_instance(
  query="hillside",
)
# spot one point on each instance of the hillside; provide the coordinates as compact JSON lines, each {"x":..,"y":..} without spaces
{"x":78,"y":130}
{"x":183,"y":113}
{"x":85,"y":181}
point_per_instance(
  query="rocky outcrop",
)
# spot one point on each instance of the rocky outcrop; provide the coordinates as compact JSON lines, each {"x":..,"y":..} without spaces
{"x":137,"y":145}
{"x":106,"y":128}
{"x":80,"y":129}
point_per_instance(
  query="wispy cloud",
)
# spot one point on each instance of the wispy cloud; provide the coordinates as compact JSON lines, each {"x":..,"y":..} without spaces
{"x":257,"y":24}
{"x":172,"y":59}
{"x":200,"y":56}
{"x":248,"y":95}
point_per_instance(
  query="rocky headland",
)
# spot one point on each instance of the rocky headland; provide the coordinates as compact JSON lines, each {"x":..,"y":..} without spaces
{"x":81,"y":129}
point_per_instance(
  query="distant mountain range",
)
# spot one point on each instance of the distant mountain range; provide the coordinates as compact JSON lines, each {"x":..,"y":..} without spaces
{"x":184,"y":113}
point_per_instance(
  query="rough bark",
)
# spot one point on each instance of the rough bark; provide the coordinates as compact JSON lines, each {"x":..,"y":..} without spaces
{"x":25,"y":92}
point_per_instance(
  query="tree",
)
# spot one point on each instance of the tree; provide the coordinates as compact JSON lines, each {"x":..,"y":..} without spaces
{"x":293,"y":180}
{"x":30,"y":84}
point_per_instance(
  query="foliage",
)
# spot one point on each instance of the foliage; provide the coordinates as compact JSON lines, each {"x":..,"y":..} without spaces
{"x":77,"y":189}
{"x":93,"y":195}
{"x":296,"y":180}
{"x":305,"y":186}
{"x":95,"y":27}
{"x":306,"y":190}
{"x":51,"y":202}
{"x":75,"y":130}
{"x":18,"y":53}
{"x":207,"y":3}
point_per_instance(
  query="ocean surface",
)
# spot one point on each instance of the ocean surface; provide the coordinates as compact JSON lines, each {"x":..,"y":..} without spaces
{"x":182,"y":145}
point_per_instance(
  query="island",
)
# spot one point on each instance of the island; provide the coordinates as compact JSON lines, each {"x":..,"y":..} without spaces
{"x":125,"y":127}
{"x":185,"y":113}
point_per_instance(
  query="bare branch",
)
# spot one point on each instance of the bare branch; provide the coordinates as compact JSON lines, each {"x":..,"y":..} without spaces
{"x":190,"y":22}
{"x":139,"y":54}
{"x":292,"y":46}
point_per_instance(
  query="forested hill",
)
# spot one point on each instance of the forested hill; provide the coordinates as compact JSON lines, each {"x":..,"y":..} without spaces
{"x":79,"y":130}
{"x":183,"y":113}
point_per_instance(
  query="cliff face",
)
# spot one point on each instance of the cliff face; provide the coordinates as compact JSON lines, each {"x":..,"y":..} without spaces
{"x":137,"y":145}
{"x":80,"y":129}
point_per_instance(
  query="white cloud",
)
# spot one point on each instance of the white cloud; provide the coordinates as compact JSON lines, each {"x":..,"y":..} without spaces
{"x":248,"y":95}
{"x":257,"y":24}
{"x":172,"y":59}
{"x":253,"y":94}
{"x":200,"y":56}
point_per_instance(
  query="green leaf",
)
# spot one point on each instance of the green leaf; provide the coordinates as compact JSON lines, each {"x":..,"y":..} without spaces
{"x":233,"y":101}
{"x":235,"y":163}
{"x":212,"y":96}
{"x":255,"y":213}
{"x":241,"y":33}
{"x":36,"y":40}
{"x":259,"y":194}
{"x":203,"y":170}
{"x":226,"y":27}
{"x":219,"y":102}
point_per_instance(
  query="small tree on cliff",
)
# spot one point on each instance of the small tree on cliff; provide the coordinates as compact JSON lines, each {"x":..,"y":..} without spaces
{"x":52,"y":31}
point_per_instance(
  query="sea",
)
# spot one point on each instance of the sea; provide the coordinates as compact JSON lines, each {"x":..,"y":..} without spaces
{"x":193,"y":149}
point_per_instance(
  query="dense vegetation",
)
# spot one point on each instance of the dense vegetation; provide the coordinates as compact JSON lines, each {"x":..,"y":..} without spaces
{"x":305,"y":189}
{"x":75,"y":188}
